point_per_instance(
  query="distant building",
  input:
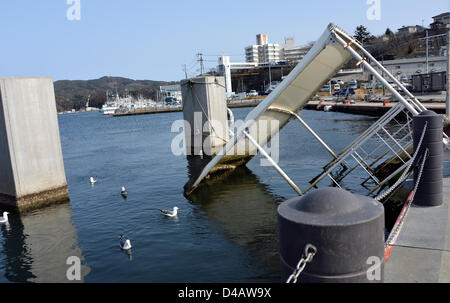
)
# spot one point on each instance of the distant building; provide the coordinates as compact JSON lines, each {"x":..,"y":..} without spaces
{"x":264,"y":52}
{"x":270,"y":52}
{"x":251,"y":53}
{"x":442,"y":18}
{"x":262,"y":39}
{"x":292,"y":53}
{"x":412,"y":29}
{"x":406,"y":68}
{"x":170,"y":92}
{"x":440,"y":21}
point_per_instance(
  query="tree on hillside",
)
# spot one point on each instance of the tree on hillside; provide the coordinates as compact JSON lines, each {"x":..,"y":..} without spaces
{"x":362,"y":34}
{"x":389,"y":32}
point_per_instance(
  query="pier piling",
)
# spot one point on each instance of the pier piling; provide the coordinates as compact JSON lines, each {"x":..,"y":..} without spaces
{"x":31,"y":163}
{"x":205,"y":114}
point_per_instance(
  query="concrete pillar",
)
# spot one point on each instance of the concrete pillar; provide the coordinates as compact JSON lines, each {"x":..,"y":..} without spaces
{"x":447,"y":108}
{"x":225,"y":62}
{"x":205,"y":115}
{"x":31,"y":162}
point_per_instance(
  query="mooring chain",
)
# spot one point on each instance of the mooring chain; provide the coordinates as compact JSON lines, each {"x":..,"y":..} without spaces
{"x":406,"y":171}
{"x":308,"y":255}
{"x":394,"y":233}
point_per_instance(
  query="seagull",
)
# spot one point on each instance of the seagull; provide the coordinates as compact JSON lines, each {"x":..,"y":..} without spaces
{"x":4,"y":219}
{"x":124,"y":192}
{"x":125,"y":244}
{"x":93,"y":180}
{"x":170,"y":213}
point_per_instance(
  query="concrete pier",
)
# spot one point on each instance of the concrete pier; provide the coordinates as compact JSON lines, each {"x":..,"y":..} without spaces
{"x":205,"y":114}
{"x":31,"y":162}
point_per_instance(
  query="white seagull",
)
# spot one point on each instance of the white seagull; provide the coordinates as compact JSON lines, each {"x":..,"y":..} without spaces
{"x":125,"y":244}
{"x":4,"y":219}
{"x":93,"y":180}
{"x":124,"y":192}
{"x":170,"y":213}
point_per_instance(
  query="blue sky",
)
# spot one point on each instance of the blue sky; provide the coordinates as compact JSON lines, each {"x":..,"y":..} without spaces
{"x":150,"y":39}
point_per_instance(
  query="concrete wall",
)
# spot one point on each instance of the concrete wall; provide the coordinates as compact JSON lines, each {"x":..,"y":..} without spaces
{"x":7,"y":185}
{"x":30,"y":144}
{"x":205,"y":98}
{"x":347,"y":78}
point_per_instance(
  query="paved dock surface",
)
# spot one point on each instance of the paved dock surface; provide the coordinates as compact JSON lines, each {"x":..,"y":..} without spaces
{"x":422,"y":251}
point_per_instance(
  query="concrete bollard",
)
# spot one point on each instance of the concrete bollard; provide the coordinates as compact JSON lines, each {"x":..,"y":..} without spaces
{"x":429,"y":191}
{"x":346,"y":229}
{"x":31,"y":163}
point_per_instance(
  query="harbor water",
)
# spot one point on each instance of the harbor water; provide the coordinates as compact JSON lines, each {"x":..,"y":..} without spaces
{"x":225,"y":233}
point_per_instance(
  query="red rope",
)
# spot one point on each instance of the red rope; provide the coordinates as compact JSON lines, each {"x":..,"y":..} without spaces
{"x":401,"y":218}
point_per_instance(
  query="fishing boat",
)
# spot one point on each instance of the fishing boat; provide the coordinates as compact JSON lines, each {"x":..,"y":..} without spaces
{"x":109,"y":108}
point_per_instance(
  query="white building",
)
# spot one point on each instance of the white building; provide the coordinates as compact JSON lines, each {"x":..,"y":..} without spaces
{"x":412,"y":29}
{"x":263,"y":51}
{"x":292,"y":53}
{"x":405,"y":68}
{"x":252,"y":54}
{"x":270,"y":52}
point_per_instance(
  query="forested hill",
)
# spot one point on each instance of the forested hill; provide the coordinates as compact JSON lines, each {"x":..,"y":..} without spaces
{"x":74,"y":93}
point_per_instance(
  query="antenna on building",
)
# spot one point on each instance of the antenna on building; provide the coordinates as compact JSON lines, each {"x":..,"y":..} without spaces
{"x":185,"y":70}
{"x":200,"y":56}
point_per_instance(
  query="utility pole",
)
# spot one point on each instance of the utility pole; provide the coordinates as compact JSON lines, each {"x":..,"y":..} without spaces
{"x":426,"y":38}
{"x":200,"y":56}
{"x":447,"y":105}
{"x":270,"y":73}
{"x":427,"y":48}
{"x":185,"y":70}
{"x":382,"y":74}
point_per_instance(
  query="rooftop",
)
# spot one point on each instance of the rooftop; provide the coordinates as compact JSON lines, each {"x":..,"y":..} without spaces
{"x":442,"y":15}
